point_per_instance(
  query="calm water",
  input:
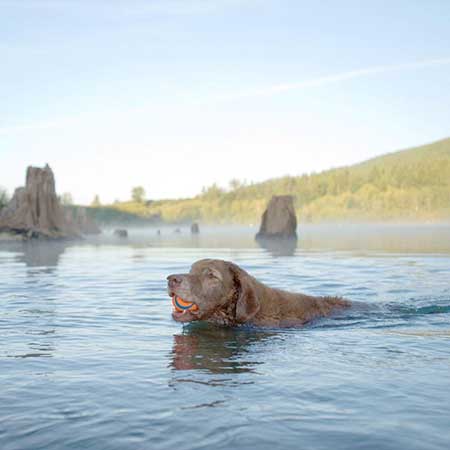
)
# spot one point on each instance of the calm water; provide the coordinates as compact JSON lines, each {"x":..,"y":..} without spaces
{"x":90,"y":358}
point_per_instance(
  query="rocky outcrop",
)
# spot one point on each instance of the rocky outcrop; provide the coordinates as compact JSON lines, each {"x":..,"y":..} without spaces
{"x":195,"y":229}
{"x":279,"y":220}
{"x":35,"y":211}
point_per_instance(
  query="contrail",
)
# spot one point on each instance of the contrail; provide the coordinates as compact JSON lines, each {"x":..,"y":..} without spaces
{"x":267,"y":91}
{"x":334,"y":78}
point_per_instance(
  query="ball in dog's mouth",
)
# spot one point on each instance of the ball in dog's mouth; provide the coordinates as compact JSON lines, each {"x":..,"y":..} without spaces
{"x":181,"y":305}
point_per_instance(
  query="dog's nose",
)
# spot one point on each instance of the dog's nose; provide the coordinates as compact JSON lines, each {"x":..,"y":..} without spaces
{"x":173,"y":280}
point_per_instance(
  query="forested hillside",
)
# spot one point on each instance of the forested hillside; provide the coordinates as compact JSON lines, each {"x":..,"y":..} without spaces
{"x":412,"y":184}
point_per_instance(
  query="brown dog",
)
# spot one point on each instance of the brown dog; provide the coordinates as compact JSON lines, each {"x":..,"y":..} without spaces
{"x":227,"y":295}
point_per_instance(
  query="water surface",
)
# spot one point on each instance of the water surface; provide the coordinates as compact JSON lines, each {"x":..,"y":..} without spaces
{"x":90,"y":358}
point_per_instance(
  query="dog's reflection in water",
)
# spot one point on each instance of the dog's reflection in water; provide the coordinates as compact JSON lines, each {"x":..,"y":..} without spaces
{"x":217,"y":350}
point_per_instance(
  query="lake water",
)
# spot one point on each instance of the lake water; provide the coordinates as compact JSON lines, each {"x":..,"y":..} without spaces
{"x":90,"y":358}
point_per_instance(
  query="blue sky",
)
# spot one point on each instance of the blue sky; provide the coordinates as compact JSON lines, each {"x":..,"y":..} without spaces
{"x":174,"y":95}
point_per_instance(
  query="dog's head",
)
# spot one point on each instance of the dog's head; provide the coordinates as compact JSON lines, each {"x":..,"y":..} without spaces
{"x":222,"y":291}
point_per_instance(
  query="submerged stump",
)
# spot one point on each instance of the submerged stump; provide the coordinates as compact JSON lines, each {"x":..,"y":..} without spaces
{"x":121,"y":233}
{"x":195,"y":229}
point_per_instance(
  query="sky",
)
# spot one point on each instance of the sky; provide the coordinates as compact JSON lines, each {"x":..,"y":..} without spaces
{"x":174,"y":95}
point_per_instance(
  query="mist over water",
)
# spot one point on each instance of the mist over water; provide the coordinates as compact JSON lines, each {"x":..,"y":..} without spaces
{"x":90,"y":358}
{"x":322,"y":237}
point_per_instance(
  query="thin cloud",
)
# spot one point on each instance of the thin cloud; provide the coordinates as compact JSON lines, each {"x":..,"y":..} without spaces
{"x":263,"y":92}
{"x":331,"y":79}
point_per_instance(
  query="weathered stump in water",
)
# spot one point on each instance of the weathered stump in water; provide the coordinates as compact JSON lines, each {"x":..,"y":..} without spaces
{"x":35,"y":210}
{"x":121,"y":233}
{"x":195,"y":229}
{"x":279,"y":220}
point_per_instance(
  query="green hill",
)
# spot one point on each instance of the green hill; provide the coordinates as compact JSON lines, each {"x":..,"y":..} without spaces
{"x":412,"y":184}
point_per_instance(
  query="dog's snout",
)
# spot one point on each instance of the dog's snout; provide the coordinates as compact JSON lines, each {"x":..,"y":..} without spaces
{"x":174,"y":280}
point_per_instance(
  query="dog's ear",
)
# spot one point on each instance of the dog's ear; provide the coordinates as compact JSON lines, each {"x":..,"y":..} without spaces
{"x":247,"y":304}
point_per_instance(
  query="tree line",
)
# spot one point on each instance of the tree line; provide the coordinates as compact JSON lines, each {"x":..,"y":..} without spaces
{"x":412,"y":184}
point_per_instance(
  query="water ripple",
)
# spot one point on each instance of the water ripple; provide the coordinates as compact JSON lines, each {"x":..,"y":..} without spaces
{"x":89,"y":357}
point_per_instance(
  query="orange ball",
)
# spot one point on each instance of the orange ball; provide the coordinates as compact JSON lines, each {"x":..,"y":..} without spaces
{"x":182,"y":305}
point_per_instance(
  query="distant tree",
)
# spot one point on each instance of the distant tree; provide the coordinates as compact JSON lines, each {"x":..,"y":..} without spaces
{"x":4,"y":198}
{"x":138,"y":194}
{"x":66,"y":199}
{"x":96,"y":202}
{"x":235,"y":184}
